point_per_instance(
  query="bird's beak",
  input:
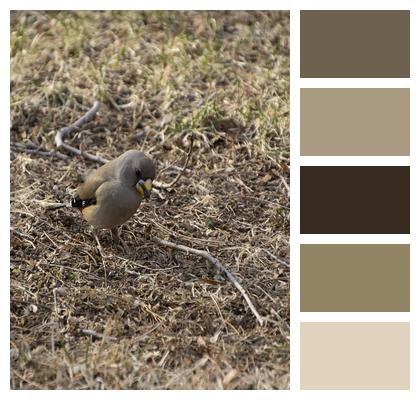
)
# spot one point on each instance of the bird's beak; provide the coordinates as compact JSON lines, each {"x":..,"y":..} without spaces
{"x":144,"y":188}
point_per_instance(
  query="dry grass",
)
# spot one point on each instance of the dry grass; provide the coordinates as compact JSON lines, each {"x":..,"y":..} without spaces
{"x":164,"y":319}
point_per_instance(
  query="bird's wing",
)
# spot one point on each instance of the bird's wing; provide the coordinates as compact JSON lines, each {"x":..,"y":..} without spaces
{"x":86,"y":192}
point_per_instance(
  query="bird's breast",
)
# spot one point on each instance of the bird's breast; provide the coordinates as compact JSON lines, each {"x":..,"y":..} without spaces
{"x":113,"y":208}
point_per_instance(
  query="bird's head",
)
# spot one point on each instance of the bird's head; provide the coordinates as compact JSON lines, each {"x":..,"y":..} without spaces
{"x":139,"y":170}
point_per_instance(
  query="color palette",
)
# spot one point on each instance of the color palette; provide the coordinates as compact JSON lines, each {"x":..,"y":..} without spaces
{"x":363,"y":278}
{"x":350,"y":355}
{"x":355,"y":278}
{"x":355,"y":200}
{"x":355,"y":44}
{"x":355,"y":122}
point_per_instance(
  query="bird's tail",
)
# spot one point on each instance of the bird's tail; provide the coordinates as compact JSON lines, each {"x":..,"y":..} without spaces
{"x":77,"y":202}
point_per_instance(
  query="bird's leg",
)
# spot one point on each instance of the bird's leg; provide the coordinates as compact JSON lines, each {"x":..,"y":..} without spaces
{"x":117,"y":238}
{"x":101,"y":250}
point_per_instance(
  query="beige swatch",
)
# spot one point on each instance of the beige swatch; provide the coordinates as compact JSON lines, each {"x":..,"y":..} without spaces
{"x":355,"y":122}
{"x":355,"y":355}
{"x":355,"y":278}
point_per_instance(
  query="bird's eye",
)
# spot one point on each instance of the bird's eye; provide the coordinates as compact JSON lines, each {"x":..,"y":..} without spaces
{"x":137,"y":171}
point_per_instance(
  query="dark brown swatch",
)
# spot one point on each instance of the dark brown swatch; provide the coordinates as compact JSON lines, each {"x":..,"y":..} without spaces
{"x":355,"y":122}
{"x":355,"y":44}
{"x":355,"y":200}
{"x":355,"y":278}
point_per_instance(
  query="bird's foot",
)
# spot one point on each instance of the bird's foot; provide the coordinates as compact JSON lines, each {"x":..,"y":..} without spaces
{"x":117,"y":239}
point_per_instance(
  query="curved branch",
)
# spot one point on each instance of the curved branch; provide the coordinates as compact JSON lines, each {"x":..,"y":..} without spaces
{"x":160,"y":185}
{"x":88,"y":156}
{"x":63,"y":132}
{"x":60,"y":135}
{"x":219,"y":266}
{"x":30,"y":148}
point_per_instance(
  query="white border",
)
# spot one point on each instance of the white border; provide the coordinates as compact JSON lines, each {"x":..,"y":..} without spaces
{"x":307,"y":83}
{"x":355,"y":161}
{"x":411,"y":161}
{"x":4,"y":202}
{"x":297,"y":239}
{"x":294,"y":6}
{"x":355,"y":239}
{"x":354,"y":317}
{"x":294,"y":199}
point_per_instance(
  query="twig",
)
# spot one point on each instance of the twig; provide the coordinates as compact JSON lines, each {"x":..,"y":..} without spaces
{"x":219,"y":266}
{"x":59,"y":137}
{"x":27,"y":380}
{"x":161,"y":185}
{"x":52,"y":206}
{"x":91,"y":275}
{"x":59,"y":142}
{"x":286,"y":185}
{"x":103,"y":255}
{"x":276,"y":258}
{"x":145,"y":334}
{"x":98,"y":335}
{"x":32,"y":149}
{"x":71,"y":149}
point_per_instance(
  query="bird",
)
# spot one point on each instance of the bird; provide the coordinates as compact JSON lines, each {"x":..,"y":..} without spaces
{"x":111,"y":194}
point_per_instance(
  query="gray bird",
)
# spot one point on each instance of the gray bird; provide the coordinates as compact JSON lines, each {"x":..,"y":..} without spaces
{"x":112,"y":194}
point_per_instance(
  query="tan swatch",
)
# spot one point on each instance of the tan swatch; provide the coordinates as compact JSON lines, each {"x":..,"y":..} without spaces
{"x":355,"y":355}
{"x":355,"y":122}
{"x":355,"y":278}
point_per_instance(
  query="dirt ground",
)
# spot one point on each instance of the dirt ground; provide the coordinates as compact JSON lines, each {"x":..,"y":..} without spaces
{"x":153,"y":317}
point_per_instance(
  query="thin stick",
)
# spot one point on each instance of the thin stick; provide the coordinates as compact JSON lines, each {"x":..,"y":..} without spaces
{"x":59,"y":137}
{"x":161,"y":185}
{"x":52,"y":206}
{"x":278,"y":259}
{"x":219,"y":266}
{"x":103,"y":255}
{"x":283,"y":179}
{"x":27,"y":380}
{"x":145,"y":334}
{"x":59,"y":142}
{"x":88,"y":156}
{"x":98,"y":335}
{"x":32,"y":149}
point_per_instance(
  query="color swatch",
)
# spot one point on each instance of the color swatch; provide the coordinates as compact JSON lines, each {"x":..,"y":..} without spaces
{"x":355,"y":278}
{"x":355,"y":44}
{"x":351,"y":355}
{"x":352,"y":119}
{"x":355,"y":122}
{"x":354,"y":199}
